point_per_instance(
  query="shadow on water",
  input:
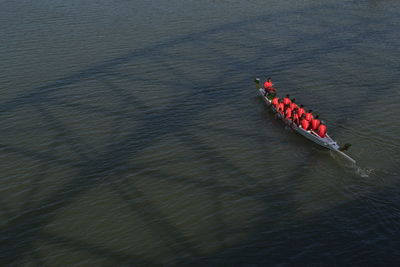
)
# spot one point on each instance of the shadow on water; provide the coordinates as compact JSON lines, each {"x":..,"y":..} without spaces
{"x":169,"y":234}
{"x":23,"y":229}
{"x":338,"y":243}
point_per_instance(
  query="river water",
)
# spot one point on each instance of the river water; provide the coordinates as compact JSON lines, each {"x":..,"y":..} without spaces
{"x":132,"y":133}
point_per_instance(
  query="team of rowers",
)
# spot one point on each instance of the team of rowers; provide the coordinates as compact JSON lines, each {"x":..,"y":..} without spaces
{"x":295,"y":113}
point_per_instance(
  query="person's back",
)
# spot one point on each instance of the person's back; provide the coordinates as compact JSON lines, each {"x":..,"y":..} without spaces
{"x":301,"y":111}
{"x":309,"y":115}
{"x":275,"y":101}
{"x":281,"y":106}
{"x":322,"y":129}
{"x":296,"y":118}
{"x":305,"y":124}
{"x":288,"y":113}
{"x":315,"y":123}
{"x":286,"y":100}
{"x":293,"y":105}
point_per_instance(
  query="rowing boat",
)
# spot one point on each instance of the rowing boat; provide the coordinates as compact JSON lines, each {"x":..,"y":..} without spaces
{"x":326,"y":141}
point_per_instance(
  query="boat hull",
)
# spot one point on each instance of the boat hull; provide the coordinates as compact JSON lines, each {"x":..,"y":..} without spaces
{"x":326,"y":142}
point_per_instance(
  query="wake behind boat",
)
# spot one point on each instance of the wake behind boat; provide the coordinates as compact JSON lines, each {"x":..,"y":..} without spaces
{"x":325,"y":141}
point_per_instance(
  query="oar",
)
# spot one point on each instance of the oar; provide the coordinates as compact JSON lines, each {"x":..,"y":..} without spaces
{"x":346,"y":156}
{"x":344,"y":148}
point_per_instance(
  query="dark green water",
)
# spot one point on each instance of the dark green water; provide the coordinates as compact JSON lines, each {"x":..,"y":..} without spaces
{"x":132,"y":133}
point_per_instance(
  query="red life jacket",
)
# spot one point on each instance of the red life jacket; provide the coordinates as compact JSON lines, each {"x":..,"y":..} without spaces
{"x":288,"y":113}
{"x":300,"y":111}
{"x":305,"y":124}
{"x":275,"y":101}
{"x":309,"y":116}
{"x":267,"y":84}
{"x":281,"y":107}
{"x":296,"y":119}
{"x":293,"y":105}
{"x":287,"y":101}
{"x":322,"y":130}
{"x":315,"y":124}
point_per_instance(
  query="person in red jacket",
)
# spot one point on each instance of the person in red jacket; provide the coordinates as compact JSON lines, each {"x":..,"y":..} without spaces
{"x":295,"y":117}
{"x":301,"y":111}
{"x":322,"y":130}
{"x":309,"y":115}
{"x":275,"y":101}
{"x":315,"y":123}
{"x":268,"y":84}
{"x":286,"y":100}
{"x":288,"y":113}
{"x":293,"y":105}
{"x":281,"y":106}
{"x":270,"y":91}
{"x":305,"y":124}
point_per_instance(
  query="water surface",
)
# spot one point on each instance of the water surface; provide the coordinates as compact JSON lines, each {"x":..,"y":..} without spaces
{"x":132,"y":133}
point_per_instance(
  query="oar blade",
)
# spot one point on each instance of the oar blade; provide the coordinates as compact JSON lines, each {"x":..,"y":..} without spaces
{"x":346,"y":156}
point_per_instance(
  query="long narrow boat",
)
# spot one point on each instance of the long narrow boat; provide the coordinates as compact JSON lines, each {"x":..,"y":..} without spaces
{"x":326,"y":141}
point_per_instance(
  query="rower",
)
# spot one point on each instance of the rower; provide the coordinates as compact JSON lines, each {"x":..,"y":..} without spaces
{"x":281,"y":106}
{"x":275,"y":101}
{"x":295,"y":117}
{"x":315,"y":123}
{"x":301,"y":111}
{"x":288,"y":112}
{"x":286,"y":100}
{"x":322,"y":129}
{"x":309,"y":115}
{"x":305,"y":124}
{"x":293,"y":105}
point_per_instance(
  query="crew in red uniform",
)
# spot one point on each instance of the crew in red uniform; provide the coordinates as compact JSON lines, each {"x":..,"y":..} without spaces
{"x":288,"y":113}
{"x":305,"y":124}
{"x":293,"y":105}
{"x":275,"y":101}
{"x":268,"y":84}
{"x":270,"y":91}
{"x":315,"y":123}
{"x":309,"y":115}
{"x":295,"y":117}
{"x":301,"y":111}
{"x":286,"y":100}
{"x":322,"y":129}
{"x":281,"y":106}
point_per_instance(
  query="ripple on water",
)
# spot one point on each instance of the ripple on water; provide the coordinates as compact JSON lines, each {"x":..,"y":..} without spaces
{"x":155,"y":149}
